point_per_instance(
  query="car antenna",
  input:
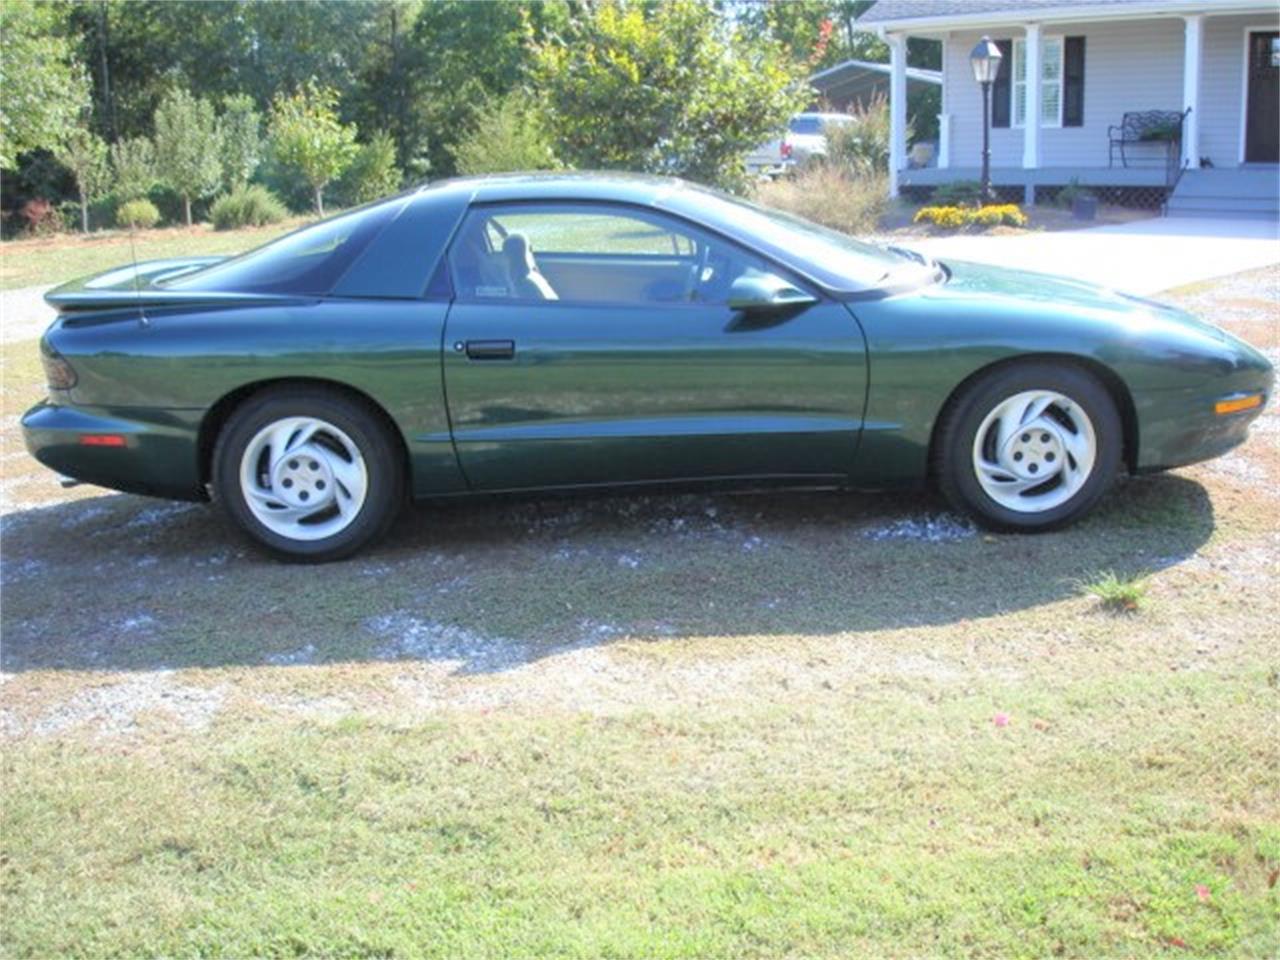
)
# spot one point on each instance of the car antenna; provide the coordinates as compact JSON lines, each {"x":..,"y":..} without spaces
{"x":137,"y":291}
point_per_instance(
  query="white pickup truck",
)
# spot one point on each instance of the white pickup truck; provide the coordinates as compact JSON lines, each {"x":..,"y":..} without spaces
{"x":805,"y":137}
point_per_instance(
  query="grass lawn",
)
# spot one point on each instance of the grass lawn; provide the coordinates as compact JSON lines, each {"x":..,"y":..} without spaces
{"x":52,"y":260}
{"x":659,"y":726}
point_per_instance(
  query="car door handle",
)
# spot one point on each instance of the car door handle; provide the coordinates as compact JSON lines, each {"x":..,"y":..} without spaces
{"x":489,"y":349}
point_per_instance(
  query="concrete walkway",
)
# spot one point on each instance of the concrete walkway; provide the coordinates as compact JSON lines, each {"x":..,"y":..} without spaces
{"x":1143,"y":256}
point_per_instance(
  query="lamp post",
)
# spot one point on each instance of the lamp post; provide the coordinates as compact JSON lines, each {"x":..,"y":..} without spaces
{"x":985,"y":60}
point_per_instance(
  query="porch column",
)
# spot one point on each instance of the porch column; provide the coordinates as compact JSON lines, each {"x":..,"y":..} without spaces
{"x":1031,"y":132}
{"x":897,"y":107}
{"x":1191,"y":57}
{"x":944,"y":118}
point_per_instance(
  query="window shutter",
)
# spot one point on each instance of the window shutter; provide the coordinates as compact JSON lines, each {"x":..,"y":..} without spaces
{"x":1073,"y":82}
{"x":1002,"y":89}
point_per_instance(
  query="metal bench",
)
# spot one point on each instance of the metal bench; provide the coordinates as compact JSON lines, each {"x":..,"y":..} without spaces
{"x":1146,"y":126}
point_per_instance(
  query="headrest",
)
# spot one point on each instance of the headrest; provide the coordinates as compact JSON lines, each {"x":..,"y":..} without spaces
{"x":519,"y":253}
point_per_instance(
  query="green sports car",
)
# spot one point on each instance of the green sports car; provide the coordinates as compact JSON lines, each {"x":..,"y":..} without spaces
{"x":553,"y":331}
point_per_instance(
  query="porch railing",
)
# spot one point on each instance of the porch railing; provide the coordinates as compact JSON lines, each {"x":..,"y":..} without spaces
{"x":1175,"y":164}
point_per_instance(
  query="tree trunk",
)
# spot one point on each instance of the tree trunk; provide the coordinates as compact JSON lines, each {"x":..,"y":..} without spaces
{"x":186,"y":203}
{"x":84,"y":212}
{"x":108,"y":101}
{"x":320,"y":200}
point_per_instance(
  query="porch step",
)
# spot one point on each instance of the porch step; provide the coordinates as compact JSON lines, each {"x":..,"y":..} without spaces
{"x":1226,"y":206}
{"x":1270,"y":216}
{"x":1237,"y":192}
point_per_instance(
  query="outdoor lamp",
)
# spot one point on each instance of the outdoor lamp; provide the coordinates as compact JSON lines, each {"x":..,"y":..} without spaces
{"x":985,"y":60}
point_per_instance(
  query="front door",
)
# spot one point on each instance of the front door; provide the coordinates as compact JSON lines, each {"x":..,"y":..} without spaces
{"x":1262,"y":116}
{"x":594,"y":344}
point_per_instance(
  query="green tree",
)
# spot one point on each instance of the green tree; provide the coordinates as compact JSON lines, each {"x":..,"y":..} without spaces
{"x":133,"y":165}
{"x":373,"y":173}
{"x":307,"y":134}
{"x":457,"y":57}
{"x":816,"y":33}
{"x":508,"y":136}
{"x":665,"y":88}
{"x":240,"y":135}
{"x":85,"y":154}
{"x":44,"y":86}
{"x":188,"y":148}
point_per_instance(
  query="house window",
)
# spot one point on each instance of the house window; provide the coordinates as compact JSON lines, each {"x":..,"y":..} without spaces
{"x":1050,"y":82}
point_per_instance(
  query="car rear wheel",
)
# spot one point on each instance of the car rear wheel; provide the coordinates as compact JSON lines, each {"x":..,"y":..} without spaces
{"x":309,"y":474}
{"x":1029,"y":446}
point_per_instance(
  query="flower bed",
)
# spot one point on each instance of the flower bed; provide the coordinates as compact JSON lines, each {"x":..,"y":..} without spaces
{"x":957,"y":218}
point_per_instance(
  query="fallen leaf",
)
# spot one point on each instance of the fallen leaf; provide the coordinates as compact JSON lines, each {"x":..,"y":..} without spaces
{"x":1271,"y":880}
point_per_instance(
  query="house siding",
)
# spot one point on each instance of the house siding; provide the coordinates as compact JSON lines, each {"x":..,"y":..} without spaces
{"x":1129,"y":65}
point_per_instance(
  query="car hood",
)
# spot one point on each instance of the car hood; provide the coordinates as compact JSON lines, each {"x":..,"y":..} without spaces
{"x":1042,"y":294}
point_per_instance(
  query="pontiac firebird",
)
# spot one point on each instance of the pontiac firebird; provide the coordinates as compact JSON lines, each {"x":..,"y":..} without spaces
{"x":575,"y":331}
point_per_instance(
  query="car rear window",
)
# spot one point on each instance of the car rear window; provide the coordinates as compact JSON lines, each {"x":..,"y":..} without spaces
{"x":307,"y":261}
{"x":805,"y":125}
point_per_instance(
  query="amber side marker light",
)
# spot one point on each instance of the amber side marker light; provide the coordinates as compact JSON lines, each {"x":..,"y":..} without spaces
{"x":1236,"y":404}
{"x":101,"y":440}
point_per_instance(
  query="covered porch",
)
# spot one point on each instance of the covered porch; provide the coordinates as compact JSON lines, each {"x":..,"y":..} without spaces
{"x":1071,"y":72}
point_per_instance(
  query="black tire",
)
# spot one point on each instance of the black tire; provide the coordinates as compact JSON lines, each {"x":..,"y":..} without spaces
{"x":953,"y":465}
{"x":385,"y":493}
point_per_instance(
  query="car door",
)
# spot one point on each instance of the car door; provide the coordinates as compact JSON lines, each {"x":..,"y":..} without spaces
{"x":595,"y":344}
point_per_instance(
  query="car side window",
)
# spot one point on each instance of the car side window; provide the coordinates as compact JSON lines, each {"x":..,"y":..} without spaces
{"x":592,"y":253}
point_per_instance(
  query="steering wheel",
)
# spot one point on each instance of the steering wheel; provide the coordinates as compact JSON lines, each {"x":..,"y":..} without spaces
{"x":695,"y":275}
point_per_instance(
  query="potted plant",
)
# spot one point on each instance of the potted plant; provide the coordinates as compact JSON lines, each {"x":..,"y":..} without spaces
{"x":1083,"y":204}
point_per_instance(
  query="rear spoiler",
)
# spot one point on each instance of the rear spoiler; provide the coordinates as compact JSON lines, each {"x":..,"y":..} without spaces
{"x":137,"y":286}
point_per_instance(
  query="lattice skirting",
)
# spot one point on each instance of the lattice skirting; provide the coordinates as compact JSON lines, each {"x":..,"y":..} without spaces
{"x":1138,"y":198}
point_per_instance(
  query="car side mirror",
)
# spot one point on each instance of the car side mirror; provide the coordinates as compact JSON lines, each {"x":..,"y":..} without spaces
{"x":766,"y":293}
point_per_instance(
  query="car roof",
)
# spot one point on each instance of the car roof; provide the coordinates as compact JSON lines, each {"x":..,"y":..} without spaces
{"x":636,"y":188}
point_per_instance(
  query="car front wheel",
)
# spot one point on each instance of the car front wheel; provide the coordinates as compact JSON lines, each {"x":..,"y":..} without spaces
{"x":309,"y":474}
{"x":1029,"y":446}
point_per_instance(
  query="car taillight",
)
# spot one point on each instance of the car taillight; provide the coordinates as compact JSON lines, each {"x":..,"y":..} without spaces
{"x":786,"y":150}
{"x":58,"y":373}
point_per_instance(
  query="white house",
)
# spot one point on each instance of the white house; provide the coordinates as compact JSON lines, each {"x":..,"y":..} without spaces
{"x":1206,"y":74}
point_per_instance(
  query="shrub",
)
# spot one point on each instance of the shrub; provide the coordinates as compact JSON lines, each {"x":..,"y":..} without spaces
{"x":862,"y":145}
{"x":253,"y":206}
{"x":830,"y":195}
{"x":957,"y":192}
{"x":133,"y":168}
{"x":139,"y":214}
{"x":373,"y":173}
{"x":1068,"y":195}
{"x":40,"y":218}
{"x":508,"y":136}
{"x":953,"y":218}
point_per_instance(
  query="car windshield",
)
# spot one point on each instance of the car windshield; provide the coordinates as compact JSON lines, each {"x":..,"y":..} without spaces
{"x":307,"y":261}
{"x":805,"y":125}
{"x":834,"y":259}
